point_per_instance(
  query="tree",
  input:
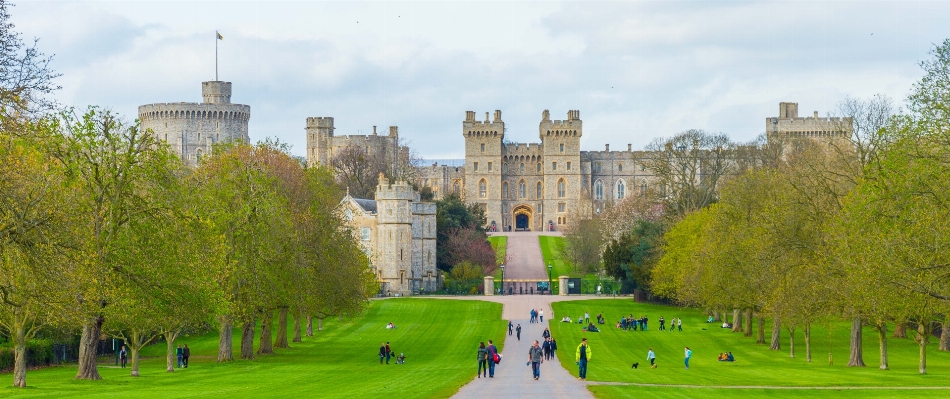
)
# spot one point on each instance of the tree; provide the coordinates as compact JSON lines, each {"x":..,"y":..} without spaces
{"x":26,"y":79}
{"x":582,"y":245}
{"x":358,"y":167}
{"x":631,"y":257}
{"x":452,"y":215}
{"x":688,"y":167}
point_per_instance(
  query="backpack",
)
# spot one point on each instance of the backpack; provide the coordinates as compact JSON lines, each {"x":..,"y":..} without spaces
{"x":495,"y":357}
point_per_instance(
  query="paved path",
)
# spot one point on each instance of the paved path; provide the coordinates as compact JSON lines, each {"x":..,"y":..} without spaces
{"x":524,"y":256}
{"x":512,"y":377}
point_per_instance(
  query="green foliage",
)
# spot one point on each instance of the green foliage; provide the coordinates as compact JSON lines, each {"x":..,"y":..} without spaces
{"x":631,"y":257}
{"x":39,"y":353}
{"x":452,"y":216}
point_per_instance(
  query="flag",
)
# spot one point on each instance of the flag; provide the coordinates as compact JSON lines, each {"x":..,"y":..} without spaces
{"x":219,"y":35}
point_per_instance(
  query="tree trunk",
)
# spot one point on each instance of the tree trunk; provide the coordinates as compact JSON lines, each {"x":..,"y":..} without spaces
{"x":280,"y":341}
{"x":747,"y":331}
{"x":171,"y":358}
{"x":225,"y":351}
{"x":945,"y":335}
{"x":806,"y":330}
{"x":135,"y":361}
{"x":760,"y":337}
{"x":791,"y":342}
{"x":736,"y":320}
{"x":882,"y":340}
{"x":857,"y":344}
{"x":900,"y":330}
{"x":19,"y":353}
{"x":297,"y":337}
{"x":319,"y":324}
{"x":247,"y":339}
{"x":923,"y":338}
{"x":776,"y":344}
{"x":88,"y":346}
{"x":309,"y":326}
{"x":922,"y":368}
{"x":266,"y":322}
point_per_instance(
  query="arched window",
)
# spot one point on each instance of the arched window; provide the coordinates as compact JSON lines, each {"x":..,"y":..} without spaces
{"x":539,"y":166}
{"x":599,"y":190}
{"x":560,"y":188}
{"x":504,"y":168}
{"x":522,"y":168}
{"x":540,"y":192}
{"x":482,"y":188}
{"x":521,"y":189}
{"x":504,"y":190}
{"x":562,"y":147}
{"x":620,"y":189}
{"x":198,"y":156}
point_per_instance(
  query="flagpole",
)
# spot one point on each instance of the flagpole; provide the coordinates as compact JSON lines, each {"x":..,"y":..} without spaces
{"x":216,"y":55}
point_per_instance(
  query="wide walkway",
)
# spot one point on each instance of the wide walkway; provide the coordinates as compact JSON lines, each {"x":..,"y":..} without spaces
{"x":524,"y":256}
{"x":513,"y":378}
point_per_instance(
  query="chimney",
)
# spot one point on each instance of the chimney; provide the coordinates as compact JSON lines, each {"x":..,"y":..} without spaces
{"x":393,"y":130}
{"x":607,"y":147}
{"x":374,"y":130}
{"x":816,"y":114}
{"x":629,"y":147}
{"x":486,"y":116}
{"x":497,"y":115}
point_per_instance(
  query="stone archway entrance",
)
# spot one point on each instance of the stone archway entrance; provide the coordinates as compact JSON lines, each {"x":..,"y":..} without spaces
{"x":523,"y":215}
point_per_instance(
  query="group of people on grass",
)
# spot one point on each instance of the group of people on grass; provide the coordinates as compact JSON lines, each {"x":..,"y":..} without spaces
{"x":386,"y":353}
{"x":182,"y":353}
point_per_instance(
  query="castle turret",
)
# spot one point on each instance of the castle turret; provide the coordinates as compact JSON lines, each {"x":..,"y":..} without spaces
{"x":319,"y":134}
{"x":394,"y":226}
{"x":483,"y":157}
{"x":192,"y":129}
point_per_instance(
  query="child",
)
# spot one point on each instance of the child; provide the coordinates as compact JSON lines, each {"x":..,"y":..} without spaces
{"x":401,"y":359}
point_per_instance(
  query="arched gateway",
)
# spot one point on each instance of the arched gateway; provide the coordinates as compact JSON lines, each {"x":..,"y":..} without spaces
{"x":523,"y":216}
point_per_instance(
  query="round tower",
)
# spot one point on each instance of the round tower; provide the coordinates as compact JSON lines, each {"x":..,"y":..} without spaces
{"x":192,"y":129}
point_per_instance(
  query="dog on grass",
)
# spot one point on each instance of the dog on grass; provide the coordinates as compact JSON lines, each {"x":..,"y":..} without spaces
{"x":635,"y":365}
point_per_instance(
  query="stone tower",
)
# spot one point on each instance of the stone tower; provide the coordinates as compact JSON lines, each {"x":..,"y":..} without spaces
{"x":192,"y":129}
{"x":394,"y":232}
{"x":561,"y":147}
{"x":319,"y":136}
{"x":483,"y":163}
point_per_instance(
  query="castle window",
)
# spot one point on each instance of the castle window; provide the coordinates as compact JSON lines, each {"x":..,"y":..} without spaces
{"x":561,"y":206}
{"x":620,"y":167}
{"x":568,"y":166}
{"x":504,"y":168}
{"x":598,"y":167}
{"x":456,"y":187}
{"x":560,"y":188}
{"x":521,"y":190}
{"x":504,"y":190}
{"x":620,"y":189}
{"x":489,"y":167}
{"x":562,"y":147}
{"x":198,"y":156}
{"x":540,"y":191}
{"x":539,"y":166}
{"x":553,"y":165}
{"x":599,"y":190}
{"x":475,"y":167}
{"x":483,"y":147}
{"x":364,"y":233}
{"x":643,"y":188}
{"x":482,"y":188}
{"x":522,"y":168}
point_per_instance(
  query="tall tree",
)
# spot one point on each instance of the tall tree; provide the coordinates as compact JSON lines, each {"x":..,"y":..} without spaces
{"x":688,"y":167}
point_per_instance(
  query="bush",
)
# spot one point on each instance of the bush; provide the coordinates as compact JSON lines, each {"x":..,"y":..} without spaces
{"x":39,"y":352}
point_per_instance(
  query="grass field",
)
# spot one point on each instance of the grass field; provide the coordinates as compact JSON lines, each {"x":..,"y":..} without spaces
{"x":549,"y":252}
{"x":625,"y":392}
{"x":614,"y":351}
{"x":500,"y":245}
{"x":341,"y":362}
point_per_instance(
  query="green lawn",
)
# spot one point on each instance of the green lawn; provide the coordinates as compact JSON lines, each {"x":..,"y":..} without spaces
{"x":624,"y":392}
{"x":500,"y":245}
{"x":615,"y":350}
{"x":439,"y":338}
{"x":551,"y":255}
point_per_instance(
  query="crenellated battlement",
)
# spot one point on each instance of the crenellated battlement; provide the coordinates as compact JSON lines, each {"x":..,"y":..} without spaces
{"x":790,"y":124}
{"x":320,"y":121}
{"x":572,"y":126}
{"x":522,"y":148}
{"x":397,"y":190}
{"x":160,"y":111}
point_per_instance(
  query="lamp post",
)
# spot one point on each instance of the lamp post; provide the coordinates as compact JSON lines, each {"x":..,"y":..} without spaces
{"x":502,"y":279}
{"x":550,"y":286}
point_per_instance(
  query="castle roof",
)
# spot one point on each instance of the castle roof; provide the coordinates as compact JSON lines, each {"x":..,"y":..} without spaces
{"x":368,"y":205}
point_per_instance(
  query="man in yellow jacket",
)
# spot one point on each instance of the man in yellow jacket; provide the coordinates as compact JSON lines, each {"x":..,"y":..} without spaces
{"x":581,"y":357}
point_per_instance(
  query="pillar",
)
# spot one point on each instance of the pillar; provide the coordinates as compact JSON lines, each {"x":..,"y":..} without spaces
{"x":489,"y":285}
{"x":562,"y":285}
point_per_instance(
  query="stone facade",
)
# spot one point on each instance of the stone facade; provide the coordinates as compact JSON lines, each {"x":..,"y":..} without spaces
{"x":398,"y":233}
{"x":192,"y":129}
{"x":323,"y":145}
{"x":788,"y":124}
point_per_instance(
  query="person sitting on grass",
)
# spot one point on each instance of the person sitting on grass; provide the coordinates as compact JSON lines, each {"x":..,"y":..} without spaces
{"x":592,"y":328}
{"x":566,"y":319}
{"x":722,"y":357}
{"x":390,"y":325}
{"x":401,"y":359}
{"x":726,"y":325}
{"x":710,"y":319}
{"x":580,"y":320}
{"x":729,"y":357}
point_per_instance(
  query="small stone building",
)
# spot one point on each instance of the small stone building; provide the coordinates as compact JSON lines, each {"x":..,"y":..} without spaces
{"x":398,"y":234}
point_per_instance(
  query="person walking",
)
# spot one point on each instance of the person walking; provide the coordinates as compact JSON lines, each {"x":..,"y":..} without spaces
{"x":652,"y":358}
{"x":546,"y":348}
{"x":553,"y":347}
{"x":518,"y":330}
{"x":541,"y":315}
{"x":389,"y":352}
{"x":186,"y":353}
{"x":679,"y":324}
{"x":382,"y":352}
{"x":509,"y":328}
{"x":581,"y":357}
{"x":662,"y":324}
{"x":482,"y":360}
{"x":180,"y":353}
{"x":586,"y":318}
{"x":492,"y":353}
{"x":546,"y":334}
{"x":123,"y":356}
{"x":534,"y":358}
{"x":688,"y":355}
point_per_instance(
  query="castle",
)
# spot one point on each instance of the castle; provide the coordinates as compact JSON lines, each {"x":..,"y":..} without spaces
{"x":192,"y":129}
{"x":398,"y":234}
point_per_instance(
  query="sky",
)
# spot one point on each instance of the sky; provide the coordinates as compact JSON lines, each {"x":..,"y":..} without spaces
{"x":637,"y":71}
